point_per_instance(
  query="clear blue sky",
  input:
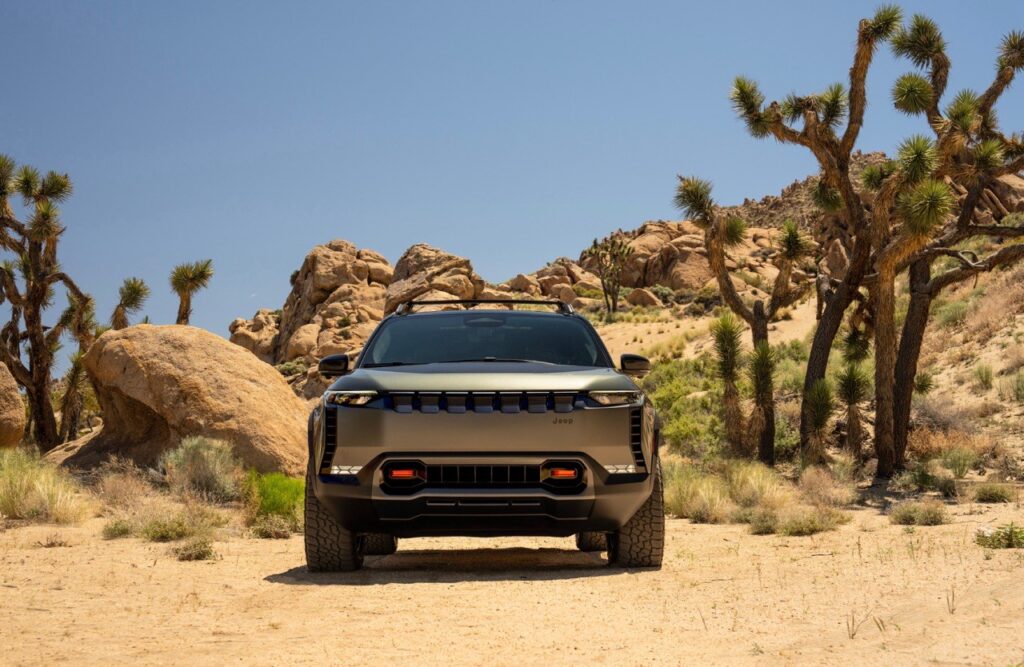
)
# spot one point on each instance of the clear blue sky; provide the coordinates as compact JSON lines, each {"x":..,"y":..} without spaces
{"x":510,"y":133}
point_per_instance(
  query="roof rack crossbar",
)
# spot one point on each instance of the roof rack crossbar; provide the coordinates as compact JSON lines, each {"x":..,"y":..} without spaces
{"x":406,"y":307}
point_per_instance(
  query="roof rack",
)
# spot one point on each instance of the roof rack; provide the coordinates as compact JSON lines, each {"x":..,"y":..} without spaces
{"x":406,"y":307}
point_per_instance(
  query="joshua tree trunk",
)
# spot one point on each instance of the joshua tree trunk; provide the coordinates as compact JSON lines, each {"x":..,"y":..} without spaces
{"x":184,"y":309}
{"x":854,"y":432}
{"x":885,"y":364}
{"x":908,"y":355}
{"x":764,"y":399}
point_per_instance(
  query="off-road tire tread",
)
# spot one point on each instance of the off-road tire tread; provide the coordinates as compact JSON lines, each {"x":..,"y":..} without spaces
{"x":641,"y":542}
{"x":379,"y":544}
{"x":329,"y":546}
{"x":590,"y":541}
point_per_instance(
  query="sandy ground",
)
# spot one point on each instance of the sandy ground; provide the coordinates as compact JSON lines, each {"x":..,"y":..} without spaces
{"x":723,"y":597}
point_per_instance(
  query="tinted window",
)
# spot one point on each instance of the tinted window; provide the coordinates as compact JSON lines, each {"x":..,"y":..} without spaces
{"x":485,"y":335}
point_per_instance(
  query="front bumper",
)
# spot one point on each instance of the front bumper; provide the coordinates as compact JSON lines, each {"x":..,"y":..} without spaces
{"x":362,"y":504}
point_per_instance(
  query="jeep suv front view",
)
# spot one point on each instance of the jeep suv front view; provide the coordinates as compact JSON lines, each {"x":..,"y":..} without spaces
{"x":484,"y":421}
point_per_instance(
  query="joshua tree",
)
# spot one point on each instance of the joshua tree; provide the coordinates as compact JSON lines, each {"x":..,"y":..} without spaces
{"x":815,"y":122}
{"x":132,"y":296}
{"x":761,"y":372}
{"x":72,"y":401}
{"x":27,"y":284}
{"x":186,"y":280}
{"x":912,"y":219}
{"x":726,"y":332}
{"x":693,"y":196}
{"x":609,"y":256}
{"x":853,"y":386}
{"x":821,"y":403}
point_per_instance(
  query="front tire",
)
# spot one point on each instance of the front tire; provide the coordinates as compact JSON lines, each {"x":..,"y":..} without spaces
{"x":591,"y":542}
{"x":641,"y":542}
{"x":379,"y":544}
{"x":329,"y":546}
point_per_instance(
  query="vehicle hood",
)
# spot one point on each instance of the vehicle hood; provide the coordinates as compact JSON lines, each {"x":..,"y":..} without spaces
{"x":485,"y":376}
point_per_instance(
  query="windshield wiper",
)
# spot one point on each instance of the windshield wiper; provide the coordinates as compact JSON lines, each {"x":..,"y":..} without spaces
{"x":496,"y":360}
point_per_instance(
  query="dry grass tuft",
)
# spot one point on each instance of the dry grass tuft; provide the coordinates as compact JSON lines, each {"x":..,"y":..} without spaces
{"x":197,"y":548}
{"x":820,"y":488}
{"x":122,"y":486}
{"x":918,"y":513}
{"x":993,"y":493}
{"x":34,"y":490}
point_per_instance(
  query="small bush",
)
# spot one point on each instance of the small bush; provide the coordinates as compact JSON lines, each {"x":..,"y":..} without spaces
{"x":763,"y":522}
{"x":755,"y":485}
{"x":952,"y":314}
{"x":959,"y":461}
{"x":34,"y":490}
{"x":274,"y":494}
{"x":993,"y":493}
{"x":819,"y":488}
{"x":294,"y":367}
{"x":983,"y":376}
{"x":803,"y":521}
{"x":918,"y":513}
{"x":203,"y":467}
{"x":118,"y":528}
{"x":198,"y":548}
{"x":272,"y":527}
{"x":924,"y":383}
{"x":170,"y":525}
{"x":1009,"y":536}
{"x":121,"y":486}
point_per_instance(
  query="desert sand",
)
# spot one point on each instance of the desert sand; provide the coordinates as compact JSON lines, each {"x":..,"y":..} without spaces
{"x":927,"y":596}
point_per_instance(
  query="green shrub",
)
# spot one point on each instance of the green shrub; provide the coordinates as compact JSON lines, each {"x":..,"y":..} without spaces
{"x":34,"y":490}
{"x":918,"y":513}
{"x":197,"y":548}
{"x":203,"y":467}
{"x":763,"y":522}
{"x":1009,"y":536}
{"x":959,"y":461}
{"x":664,"y":293}
{"x":983,"y":376}
{"x":923,"y":383}
{"x":993,"y":493}
{"x":294,"y":367}
{"x":952,"y":314}
{"x":118,"y":527}
{"x":1015,"y":387}
{"x":803,"y":521}
{"x":274,"y":494}
{"x":167,"y":524}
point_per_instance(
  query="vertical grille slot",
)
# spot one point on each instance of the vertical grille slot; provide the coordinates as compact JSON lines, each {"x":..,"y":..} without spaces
{"x":330,"y":438}
{"x":636,"y":429}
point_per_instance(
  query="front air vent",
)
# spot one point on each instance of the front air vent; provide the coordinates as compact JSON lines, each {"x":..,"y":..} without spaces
{"x":536,"y":402}
{"x":636,"y":438}
{"x":330,"y":438}
{"x":417,"y":476}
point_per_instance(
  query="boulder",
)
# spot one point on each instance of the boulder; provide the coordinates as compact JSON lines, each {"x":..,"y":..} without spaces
{"x":258,"y":335}
{"x":563,"y":293}
{"x":640,"y":296}
{"x":426,"y":272}
{"x":12,"y":410}
{"x":158,"y":384}
{"x":524,"y":283}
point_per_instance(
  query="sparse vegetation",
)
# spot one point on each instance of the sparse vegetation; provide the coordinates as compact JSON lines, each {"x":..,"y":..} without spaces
{"x":993,"y":493}
{"x":197,"y":548}
{"x":33,"y":490}
{"x":1010,"y":536}
{"x":959,"y":461}
{"x":918,"y":513}
{"x":205,"y":468}
{"x":273,"y":502}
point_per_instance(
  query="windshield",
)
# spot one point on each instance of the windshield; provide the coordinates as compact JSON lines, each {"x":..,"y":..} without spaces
{"x":485,"y":336}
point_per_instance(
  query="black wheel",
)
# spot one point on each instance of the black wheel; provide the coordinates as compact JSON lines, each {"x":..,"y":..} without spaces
{"x":329,"y":546}
{"x":591,"y":541}
{"x":641,"y":542}
{"x":379,"y":544}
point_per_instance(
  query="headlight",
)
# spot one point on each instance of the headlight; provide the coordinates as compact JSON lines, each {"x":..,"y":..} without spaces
{"x":351,"y":398}
{"x":609,"y":398}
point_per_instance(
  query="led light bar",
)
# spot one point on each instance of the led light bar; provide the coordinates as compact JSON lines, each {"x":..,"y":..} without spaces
{"x":621,"y":470}
{"x":615,"y":398}
{"x":345,"y":470}
{"x":349,"y":397}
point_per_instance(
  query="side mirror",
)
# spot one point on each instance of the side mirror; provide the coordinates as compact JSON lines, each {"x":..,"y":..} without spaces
{"x":333,"y":365}
{"x":635,"y":365}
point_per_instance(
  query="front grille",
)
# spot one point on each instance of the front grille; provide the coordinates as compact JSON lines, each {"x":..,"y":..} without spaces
{"x":482,"y":402}
{"x":330,"y":438}
{"x":500,"y":476}
{"x":636,"y":438}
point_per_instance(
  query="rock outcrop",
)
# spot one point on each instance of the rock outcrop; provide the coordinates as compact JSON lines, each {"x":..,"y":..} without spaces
{"x":258,"y":335}
{"x":427,"y":273}
{"x":158,"y":384}
{"x":12,"y":410}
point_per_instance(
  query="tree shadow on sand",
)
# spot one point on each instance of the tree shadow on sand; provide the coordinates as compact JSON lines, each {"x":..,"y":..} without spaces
{"x":419,"y":566}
